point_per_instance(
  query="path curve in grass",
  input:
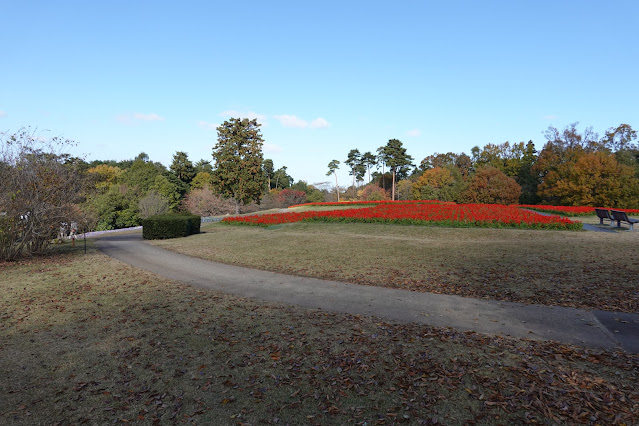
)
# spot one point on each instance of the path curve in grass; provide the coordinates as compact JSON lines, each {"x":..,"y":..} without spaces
{"x":561,"y":324}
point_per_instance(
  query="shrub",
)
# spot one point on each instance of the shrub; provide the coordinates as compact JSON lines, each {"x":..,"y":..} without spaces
{"x":153,"y":204}
{"x":373,"y":192}
{"x":170,"y":226}
{"x":290,"y":197}
{"x":204,"y":202}
{"x":491,"y":186}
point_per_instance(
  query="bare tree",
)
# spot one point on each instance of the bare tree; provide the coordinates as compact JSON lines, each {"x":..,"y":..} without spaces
{"x":204,"y":202}
{"x":40,"y":189}
{"x":153,"y":204}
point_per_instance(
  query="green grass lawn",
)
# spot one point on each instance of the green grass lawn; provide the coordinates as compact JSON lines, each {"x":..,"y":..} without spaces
{"x":566,"y":268}
{"x":87,"y":339}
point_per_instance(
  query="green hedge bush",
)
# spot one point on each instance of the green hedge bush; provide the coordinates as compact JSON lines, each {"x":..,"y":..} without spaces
{"x":170,"y":226}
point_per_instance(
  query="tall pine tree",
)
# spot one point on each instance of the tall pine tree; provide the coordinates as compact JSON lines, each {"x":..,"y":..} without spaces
{"x":238,"y":159}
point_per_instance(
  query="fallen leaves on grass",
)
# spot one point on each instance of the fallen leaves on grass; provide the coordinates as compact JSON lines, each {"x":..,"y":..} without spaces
{"x":131,"y":347}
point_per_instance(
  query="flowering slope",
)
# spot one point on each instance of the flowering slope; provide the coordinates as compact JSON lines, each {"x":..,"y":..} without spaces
{"x":571,"y":210}
{"x":455,"y":215}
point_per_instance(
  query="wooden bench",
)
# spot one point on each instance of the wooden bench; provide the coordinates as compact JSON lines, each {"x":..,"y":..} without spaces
{"x":603,"y":214}
{"x":620,"y":216}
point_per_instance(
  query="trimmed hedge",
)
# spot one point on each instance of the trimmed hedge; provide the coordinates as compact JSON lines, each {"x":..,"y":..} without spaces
{"x":170,"y":226}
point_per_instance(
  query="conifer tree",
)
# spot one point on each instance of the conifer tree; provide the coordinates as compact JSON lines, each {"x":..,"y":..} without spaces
{"x":238,"y":159}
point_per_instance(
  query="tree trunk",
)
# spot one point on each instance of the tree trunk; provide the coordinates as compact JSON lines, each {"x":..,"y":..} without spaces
{"x":393,"y":190}
{"x":354,"y":189}
{"x":237,"y":207}
{"x":336,"y":186}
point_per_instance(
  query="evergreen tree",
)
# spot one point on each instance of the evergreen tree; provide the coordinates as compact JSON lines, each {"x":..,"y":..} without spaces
{"x":182,"y":167}
{"x":353,"y":160}
{"x":238,"y":161}
{"x":395,"y":157}
{"x":269,"y":169}
{"x":369,"y":160}
{"x":332,"y":169}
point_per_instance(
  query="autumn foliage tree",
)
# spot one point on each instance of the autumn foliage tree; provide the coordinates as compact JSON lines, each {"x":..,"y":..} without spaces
{"x":438,"y":183}
{"x":591,"y":179}
{"x":40,"y":190}
{"x":491,"y":186}
{"x":238,"y":159}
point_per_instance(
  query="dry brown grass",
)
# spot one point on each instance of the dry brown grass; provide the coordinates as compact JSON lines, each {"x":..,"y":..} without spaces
{"x":86,"y":339}
{"x":567,"y":268}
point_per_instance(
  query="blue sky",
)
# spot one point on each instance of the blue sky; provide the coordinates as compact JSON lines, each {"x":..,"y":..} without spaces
{"x":324,"y":77}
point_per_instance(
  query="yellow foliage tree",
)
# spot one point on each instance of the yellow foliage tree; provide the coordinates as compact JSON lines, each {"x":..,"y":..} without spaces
{"x":104,"y":175}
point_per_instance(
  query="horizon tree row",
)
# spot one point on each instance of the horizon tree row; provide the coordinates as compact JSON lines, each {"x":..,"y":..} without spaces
{"x":573,"y":168}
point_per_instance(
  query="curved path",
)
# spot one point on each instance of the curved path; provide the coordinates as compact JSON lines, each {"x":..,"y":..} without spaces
{"x":561,"y":324}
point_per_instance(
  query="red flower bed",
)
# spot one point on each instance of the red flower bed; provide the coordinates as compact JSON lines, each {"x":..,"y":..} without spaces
{"x":370,"y":203}
{"x":572,"y":210}
{"x":449,"y":214}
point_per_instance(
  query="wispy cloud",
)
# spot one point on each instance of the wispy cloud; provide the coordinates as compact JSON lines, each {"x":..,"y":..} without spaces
{"x":291,"y":121}
{"x":288,"y":120}
{"x":3,"y":113}
{"x":251,"y":115}
{"x":319,"y":123}
{"x":207,"y":125}
{"x":271,"y":148}
{"x":550,"y":117}
{"x":414,"y":132}
{"x":147,"y":117}
{"x":137,"y":116}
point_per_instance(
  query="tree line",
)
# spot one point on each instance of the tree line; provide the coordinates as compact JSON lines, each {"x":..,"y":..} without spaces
{"x":572,"y":168}
{"x":43,"y":187}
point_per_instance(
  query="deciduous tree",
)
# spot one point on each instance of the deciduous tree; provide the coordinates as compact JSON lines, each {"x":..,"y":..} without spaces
{"x":491,"y":186}
{"x":593,"y":179}
{"x":40,"y":188}
{"x":439,"y":183}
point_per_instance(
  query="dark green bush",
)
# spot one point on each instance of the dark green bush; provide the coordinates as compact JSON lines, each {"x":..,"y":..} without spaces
{"x":170,"y":226}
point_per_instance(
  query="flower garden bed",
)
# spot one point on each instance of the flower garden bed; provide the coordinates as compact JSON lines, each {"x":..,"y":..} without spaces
{"x":571,"y":210}
{"x":420,"y":213}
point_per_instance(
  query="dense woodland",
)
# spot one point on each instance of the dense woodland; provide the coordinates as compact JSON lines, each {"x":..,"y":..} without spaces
{"x":571,"y":168}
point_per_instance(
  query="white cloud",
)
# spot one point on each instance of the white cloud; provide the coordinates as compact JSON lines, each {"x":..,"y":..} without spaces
{"x":270,"y":148}
{"x":319,"y":123}
{"x":550,"y":117}
{"x":147,"y":117}
{"x":207,"y":125}
{"x":251,"y":115}
{"x":291,"y":121}
{"x":3,"y":113}
{"x":288,"y":120}
{"x":414,"y":132}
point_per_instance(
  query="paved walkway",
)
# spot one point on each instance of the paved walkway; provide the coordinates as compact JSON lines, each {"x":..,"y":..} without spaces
{"x":596,"y":329}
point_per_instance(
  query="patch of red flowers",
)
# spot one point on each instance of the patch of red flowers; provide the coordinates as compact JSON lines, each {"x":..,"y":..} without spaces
{"x":372,"y":203}
{"x":571,"y":210}
{"x":441,"y":214}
